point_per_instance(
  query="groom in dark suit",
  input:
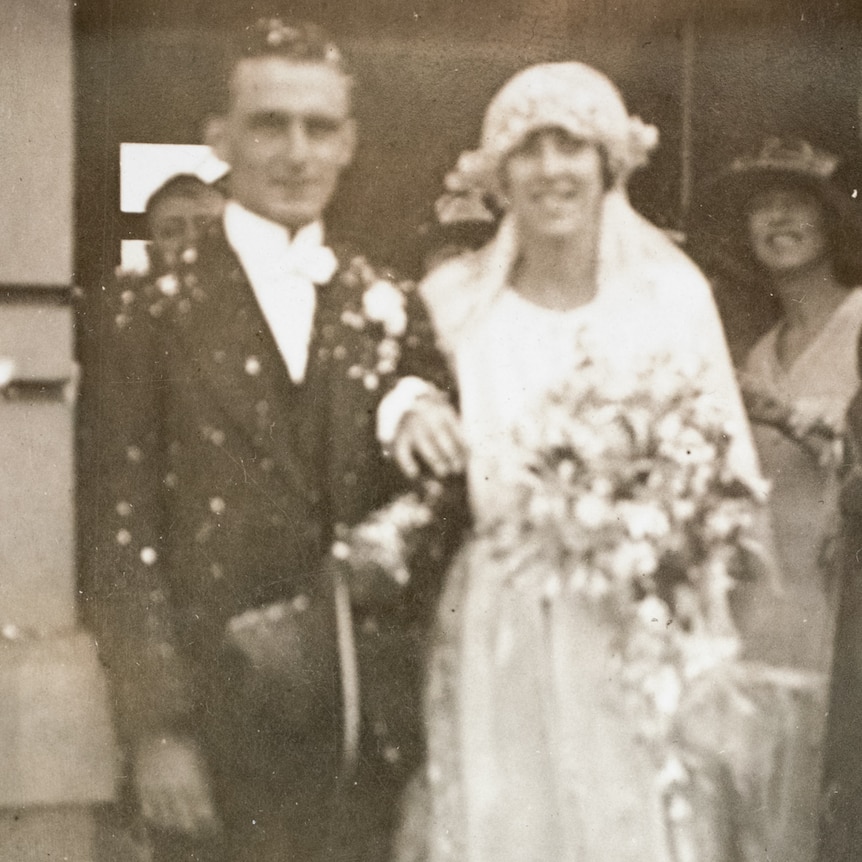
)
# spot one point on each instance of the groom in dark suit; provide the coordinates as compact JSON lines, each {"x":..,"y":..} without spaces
{"x":234,"y":442}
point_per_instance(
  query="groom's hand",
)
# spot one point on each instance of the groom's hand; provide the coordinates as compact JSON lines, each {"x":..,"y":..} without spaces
{"x":173,"y":787}
{"x":430,"y":435}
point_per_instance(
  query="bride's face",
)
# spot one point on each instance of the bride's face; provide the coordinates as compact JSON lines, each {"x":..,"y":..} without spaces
{"x":554,"y":184}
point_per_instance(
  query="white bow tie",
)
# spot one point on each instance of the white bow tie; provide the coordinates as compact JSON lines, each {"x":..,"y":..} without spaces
{"x":282,"y":271}
{"x":314,"y":263}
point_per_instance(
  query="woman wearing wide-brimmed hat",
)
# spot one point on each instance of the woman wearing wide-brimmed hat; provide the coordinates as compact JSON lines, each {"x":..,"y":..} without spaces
{"x":793,"y":223}
{"x":804,"y":239}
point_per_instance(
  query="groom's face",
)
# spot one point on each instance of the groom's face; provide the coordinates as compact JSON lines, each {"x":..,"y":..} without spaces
{"x":287,"y":136}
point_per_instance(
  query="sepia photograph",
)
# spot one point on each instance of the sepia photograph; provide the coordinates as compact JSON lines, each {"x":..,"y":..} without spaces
{"x":431,"y":431}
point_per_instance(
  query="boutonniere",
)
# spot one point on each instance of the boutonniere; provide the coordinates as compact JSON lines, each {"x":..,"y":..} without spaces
{"x":380,"y":313}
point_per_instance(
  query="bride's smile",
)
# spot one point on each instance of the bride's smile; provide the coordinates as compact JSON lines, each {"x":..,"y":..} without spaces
{"x":554,"y":183}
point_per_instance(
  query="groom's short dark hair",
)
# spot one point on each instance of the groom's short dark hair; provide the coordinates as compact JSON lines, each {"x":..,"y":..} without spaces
{"x":300,"y":42}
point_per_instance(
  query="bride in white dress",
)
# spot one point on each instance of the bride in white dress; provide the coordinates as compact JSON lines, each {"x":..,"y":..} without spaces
{"x":531,"y":758}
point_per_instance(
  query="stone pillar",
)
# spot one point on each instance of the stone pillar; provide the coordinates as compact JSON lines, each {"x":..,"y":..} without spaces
{"x":57,"y":752}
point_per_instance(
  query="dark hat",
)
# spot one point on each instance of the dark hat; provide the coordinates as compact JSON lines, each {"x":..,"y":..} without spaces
{"x":796,"y":163}
{"x":781,"y":161}
{"x":791,"y":158}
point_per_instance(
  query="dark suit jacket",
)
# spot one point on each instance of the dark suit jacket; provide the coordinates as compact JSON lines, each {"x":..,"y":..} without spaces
{"x":219,"y":484}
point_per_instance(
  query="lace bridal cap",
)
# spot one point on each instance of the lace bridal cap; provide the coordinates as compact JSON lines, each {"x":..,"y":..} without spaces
{"x":570,"y":96}
{"x":585,"y":103}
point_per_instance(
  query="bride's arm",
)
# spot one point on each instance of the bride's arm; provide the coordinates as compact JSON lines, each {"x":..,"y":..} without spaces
{"x":417,"y":420}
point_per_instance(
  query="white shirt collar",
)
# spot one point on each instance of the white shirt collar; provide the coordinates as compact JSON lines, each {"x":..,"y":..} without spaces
{"x":282,"y":273}
{"x":254,"y":237}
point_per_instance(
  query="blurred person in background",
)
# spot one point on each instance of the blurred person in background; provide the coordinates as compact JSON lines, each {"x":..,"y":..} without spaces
{"x":179,"y":213}
{"x":790,"y":219}
{"x":802,"y":234}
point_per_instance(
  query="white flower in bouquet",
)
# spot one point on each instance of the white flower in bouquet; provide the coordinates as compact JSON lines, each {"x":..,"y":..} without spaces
{"x":388,"y":353}
{"x":566,"y":470}
{"x":588,"y":581}
{"x":652,"y":610}
{"x":618,"y":383}
{"x":604,"y":415}
{"x":592,"y":441}
{"x":683,"y":509}
{"x":676,"y":373}
{"x":544,"y":508}
{"x":593,"y":510}
{"x":578,"y":578}
{"x":669,"y":428}
{"x":692,"y":448}
{"x":617,"y":438}
{"x":727,"y":519}
{"x":644,"y":520}
{"x":664,"y":689}
{"x":601,"y":486}
{"x":633,"y":559}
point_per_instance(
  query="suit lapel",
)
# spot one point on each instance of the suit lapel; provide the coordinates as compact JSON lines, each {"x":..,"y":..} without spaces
{"x":357,"y":476}
{"x":229,"y":346}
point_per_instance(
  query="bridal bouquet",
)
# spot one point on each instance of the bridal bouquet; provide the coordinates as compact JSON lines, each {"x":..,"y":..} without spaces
{"x":627,"y":490}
